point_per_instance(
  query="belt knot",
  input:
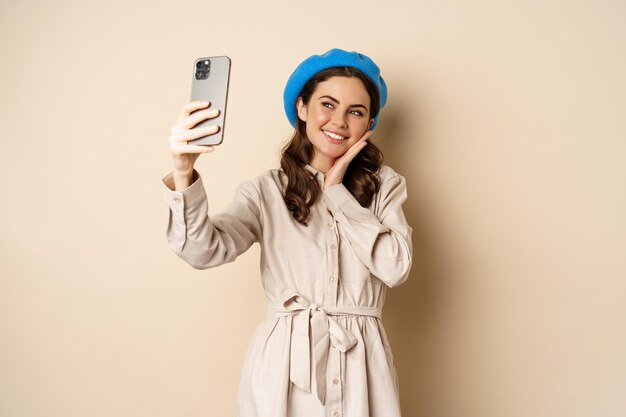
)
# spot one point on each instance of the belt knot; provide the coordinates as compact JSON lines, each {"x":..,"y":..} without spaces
{"x":312,"y":333}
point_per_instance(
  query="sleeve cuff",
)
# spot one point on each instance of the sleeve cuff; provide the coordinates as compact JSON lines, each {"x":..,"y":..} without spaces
{"x":337,"y":195}
{"x":190,"y":195}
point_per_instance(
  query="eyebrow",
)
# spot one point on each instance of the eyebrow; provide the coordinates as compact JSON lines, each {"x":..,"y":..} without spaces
{"x":337,"y":101}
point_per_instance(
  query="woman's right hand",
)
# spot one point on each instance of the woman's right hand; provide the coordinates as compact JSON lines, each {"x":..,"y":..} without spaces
{"x":183,"y":131}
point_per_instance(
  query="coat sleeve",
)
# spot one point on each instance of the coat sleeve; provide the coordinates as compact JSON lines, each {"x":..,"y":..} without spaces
{"x":205,"y":241}
{"x":381,"y":236}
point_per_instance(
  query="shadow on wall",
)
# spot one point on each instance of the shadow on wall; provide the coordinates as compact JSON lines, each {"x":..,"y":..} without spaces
{"x":410,"y":312}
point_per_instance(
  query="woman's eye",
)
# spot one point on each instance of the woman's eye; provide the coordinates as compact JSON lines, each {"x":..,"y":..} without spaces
{"x":357,"y":113}
{"x":327,"y":105}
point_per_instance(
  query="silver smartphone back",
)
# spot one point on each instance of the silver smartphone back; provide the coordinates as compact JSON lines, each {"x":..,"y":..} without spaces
{"x":210,"y":82}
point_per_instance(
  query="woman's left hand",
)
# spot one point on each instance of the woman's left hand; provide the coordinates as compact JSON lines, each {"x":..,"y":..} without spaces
{"x":336,"y":172}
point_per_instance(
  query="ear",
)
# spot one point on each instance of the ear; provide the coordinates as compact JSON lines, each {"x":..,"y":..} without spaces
{"x":369,"y":126}
{"x":301,"y":109}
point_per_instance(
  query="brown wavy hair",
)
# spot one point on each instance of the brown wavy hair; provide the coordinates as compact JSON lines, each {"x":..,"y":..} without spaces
{"x":361,"y":178}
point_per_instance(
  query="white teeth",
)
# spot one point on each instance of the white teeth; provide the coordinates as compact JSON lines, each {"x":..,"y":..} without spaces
{"x":333,"y":135}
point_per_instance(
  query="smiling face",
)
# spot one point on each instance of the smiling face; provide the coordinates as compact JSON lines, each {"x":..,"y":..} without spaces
{"x":336,"y":116}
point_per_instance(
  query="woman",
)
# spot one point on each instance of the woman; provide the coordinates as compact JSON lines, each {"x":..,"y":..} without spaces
{"x":333,"y":237}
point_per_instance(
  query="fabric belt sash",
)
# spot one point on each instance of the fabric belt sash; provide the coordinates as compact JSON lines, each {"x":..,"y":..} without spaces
{"x":312,"y":347}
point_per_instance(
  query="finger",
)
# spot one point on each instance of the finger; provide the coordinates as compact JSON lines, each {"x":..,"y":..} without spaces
{"x":194,"y":106}
{"x":366,"y":136}
{"x":200,"y":116}
{"x":192,"y":149}
{"x":191,"y":107}
{"x":201,"y":132}
{"x":362,"y":143}
{"x":197,"y":133}
{"x":199,"y":148}
{"x":354,"y":150}
{"x":182,"y":127}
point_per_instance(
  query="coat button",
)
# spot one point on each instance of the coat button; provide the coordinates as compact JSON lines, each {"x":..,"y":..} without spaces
{"x":333,"y":246}
{"x":336,"y":414}
{"x":332,"y":279}
{"x":330,"y":225}
{"x":335,"y":381}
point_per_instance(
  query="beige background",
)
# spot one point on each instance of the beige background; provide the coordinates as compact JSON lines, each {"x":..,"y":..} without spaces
{"x":506,"y":118}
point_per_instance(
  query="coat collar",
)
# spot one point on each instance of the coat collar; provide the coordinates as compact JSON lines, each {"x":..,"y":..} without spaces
{"x":319,"y":175}
{"x":314,"y":171}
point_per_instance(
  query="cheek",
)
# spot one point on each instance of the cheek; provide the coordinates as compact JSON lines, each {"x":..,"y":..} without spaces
{"x":321,"y":117}
{"x":359,"y":127}
{"x":315,"y":122}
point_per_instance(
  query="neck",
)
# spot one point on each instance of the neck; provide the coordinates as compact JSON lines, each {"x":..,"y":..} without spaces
{"x":322,"y":164}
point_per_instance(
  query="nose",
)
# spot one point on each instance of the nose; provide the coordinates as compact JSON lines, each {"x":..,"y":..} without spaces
{"x":339,"y":119}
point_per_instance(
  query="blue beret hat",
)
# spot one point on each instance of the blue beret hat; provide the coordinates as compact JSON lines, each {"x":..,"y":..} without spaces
{"x":333,"y":58}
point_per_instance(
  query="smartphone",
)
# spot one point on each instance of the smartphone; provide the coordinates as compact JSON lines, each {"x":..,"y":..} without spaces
{"x":210,"y":82}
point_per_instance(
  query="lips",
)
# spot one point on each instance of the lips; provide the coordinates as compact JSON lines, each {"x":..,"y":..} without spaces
{"x":334,"y":136}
